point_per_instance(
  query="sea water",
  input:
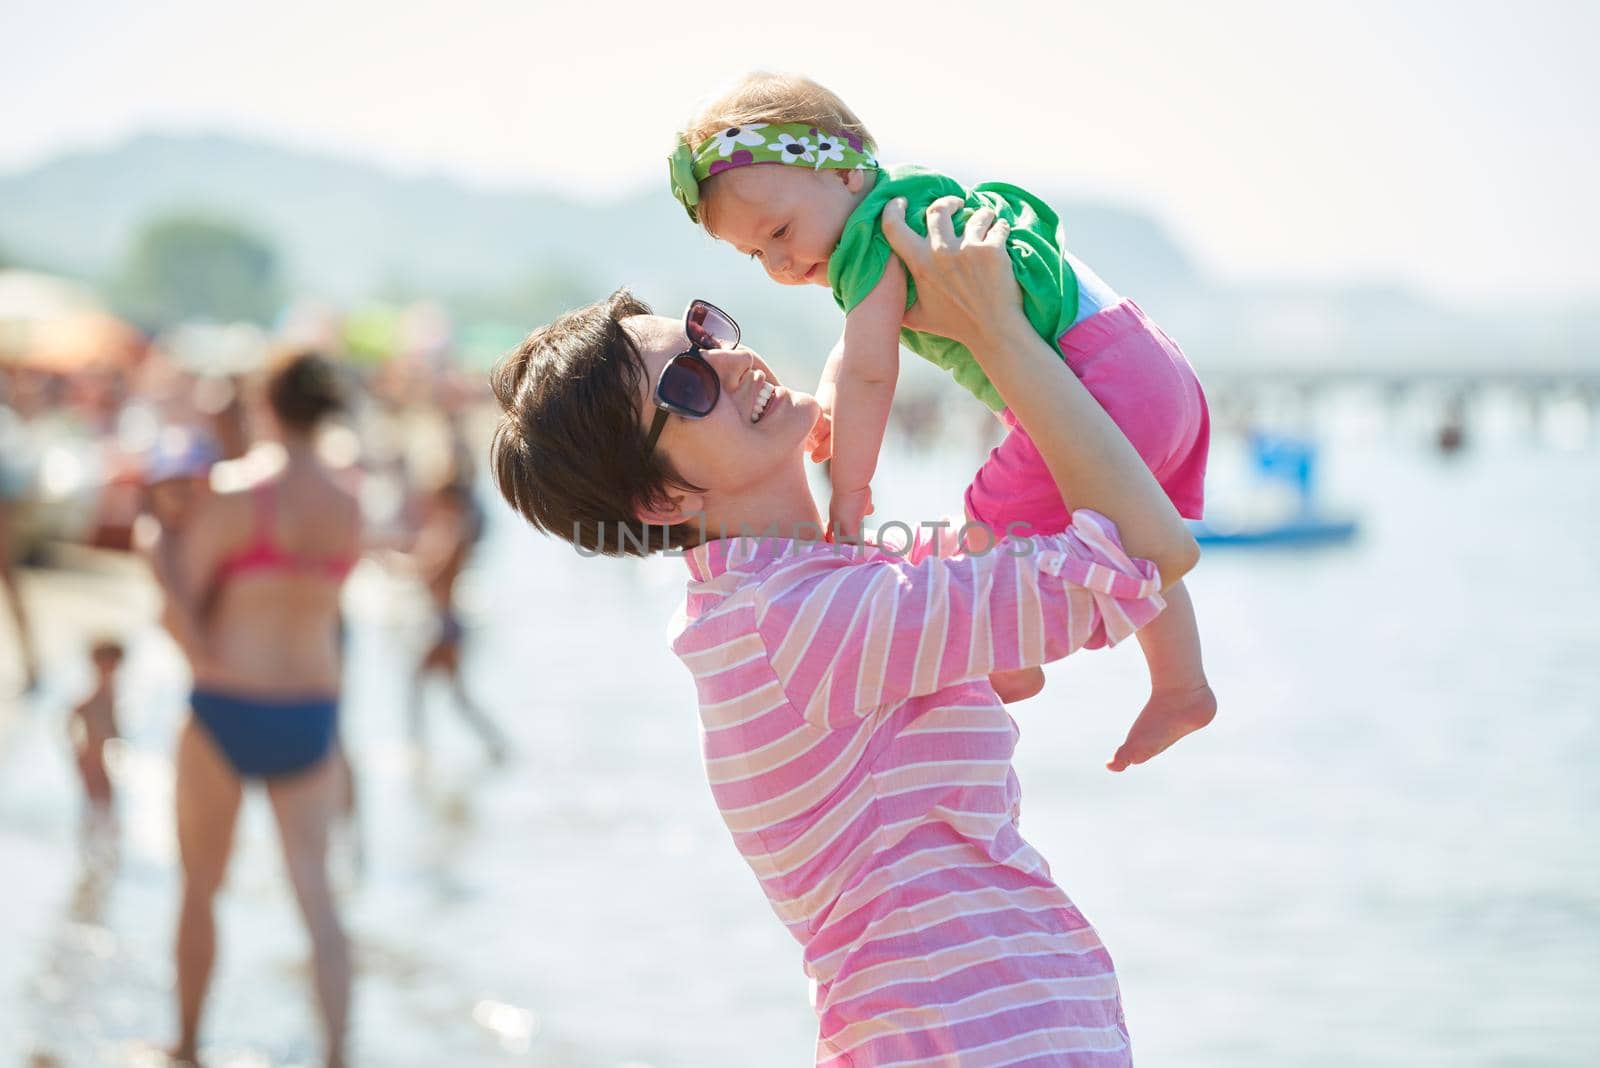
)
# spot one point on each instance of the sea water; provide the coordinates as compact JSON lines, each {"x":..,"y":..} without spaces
{"x":1383,"y":852}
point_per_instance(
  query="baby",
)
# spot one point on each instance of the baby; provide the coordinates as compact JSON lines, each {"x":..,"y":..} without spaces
{"x":781,"y":169}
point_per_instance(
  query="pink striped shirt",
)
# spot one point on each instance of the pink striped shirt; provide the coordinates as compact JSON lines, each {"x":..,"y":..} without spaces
{"x":863,"y":764}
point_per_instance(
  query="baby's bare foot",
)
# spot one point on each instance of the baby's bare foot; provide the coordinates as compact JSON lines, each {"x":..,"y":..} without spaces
{"x":1166,"y":717}
{"x":1017,"y":685}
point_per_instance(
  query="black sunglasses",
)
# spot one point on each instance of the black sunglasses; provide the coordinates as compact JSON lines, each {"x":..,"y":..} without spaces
{"x":689,"y":386}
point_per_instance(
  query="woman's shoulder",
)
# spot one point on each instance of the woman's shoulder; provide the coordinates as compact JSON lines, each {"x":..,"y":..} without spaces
{"x":320,"y":493}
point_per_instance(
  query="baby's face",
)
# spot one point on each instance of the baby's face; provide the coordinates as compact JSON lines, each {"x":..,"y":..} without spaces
{"x":786,"y":216}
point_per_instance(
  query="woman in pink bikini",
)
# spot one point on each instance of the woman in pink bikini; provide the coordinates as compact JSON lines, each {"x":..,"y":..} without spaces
{"x":255,"y":604}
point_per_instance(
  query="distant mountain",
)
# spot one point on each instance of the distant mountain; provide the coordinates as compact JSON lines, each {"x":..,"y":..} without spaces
{"x":348,"y":230}
{"x":348,"y":227}
{"x":345,"y":228}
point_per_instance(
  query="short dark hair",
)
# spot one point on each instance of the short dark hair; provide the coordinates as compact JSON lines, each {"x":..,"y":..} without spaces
{"x":303,"y":388}
{"x":569,"y":453}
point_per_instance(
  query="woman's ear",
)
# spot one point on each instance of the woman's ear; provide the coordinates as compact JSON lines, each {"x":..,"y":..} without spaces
{"x":670,"y":510}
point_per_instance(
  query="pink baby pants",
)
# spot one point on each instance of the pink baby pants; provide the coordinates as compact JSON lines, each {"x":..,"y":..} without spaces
{"x":1141,"y":378}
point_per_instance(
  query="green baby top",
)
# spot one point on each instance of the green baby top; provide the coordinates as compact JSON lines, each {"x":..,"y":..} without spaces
{"x":1049,"y":286}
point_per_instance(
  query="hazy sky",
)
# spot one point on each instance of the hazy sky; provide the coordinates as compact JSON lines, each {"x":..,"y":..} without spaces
{"x":1449,"y":145}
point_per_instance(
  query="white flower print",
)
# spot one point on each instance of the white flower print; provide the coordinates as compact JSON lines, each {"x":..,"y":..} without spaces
{"x":829,"y":147}
{"x":792,"y":150}
{"x":725,"y":141}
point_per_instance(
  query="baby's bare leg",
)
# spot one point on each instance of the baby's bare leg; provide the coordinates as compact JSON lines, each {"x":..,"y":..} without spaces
{"x":1181,"y":700}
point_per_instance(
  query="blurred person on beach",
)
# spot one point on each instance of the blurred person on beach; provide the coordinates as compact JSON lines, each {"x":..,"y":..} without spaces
{"x":176,"y":479}
{"x":221,"y":401}
{"x":254,"y":602}
{"x":10,"y":524}
{"x":177,"y":476}
{"x":854,"y":742}
{"x":452,"y":524}
{"x":92,"y":723}
{"x":15,"y":482}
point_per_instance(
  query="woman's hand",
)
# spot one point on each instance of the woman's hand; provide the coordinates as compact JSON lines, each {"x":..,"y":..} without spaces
{"x":966,"y":288}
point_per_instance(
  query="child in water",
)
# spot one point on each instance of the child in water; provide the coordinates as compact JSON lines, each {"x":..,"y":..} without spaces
{"x":781,"y":169}
{"x":453,"y":523}
{"x":94,"y":723}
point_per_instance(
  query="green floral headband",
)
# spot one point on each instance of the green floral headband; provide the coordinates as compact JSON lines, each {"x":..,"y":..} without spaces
{"x":795,"y":143}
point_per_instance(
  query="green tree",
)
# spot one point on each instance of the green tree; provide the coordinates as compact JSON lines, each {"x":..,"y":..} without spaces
{"x":186,"y":266}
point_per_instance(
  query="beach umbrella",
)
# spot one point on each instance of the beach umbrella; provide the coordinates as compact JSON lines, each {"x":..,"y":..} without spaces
{"x":30,"y":302}
{"x":86,"y":341}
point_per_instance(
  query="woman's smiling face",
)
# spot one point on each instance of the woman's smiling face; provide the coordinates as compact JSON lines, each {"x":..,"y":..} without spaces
{"x":741,"y":444}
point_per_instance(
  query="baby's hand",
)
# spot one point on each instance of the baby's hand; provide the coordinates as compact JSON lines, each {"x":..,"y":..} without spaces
{"x":819,"y":443}
{"x":845,"y":513}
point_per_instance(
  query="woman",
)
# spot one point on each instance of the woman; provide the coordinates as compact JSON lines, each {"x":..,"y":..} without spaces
{"x":854,"y":746}
{"x":256,"y":607}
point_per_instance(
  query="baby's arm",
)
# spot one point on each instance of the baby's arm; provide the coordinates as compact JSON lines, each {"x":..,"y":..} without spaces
{"x":865,"y":365}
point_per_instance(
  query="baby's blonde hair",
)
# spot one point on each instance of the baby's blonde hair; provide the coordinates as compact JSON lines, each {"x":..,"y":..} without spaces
{"x":762,"y":96}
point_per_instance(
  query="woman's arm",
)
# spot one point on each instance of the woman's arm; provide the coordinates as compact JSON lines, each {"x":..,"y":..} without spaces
{"x":189,"y":581}
{"x":846,"y":637}
{"x":966,"y":291}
